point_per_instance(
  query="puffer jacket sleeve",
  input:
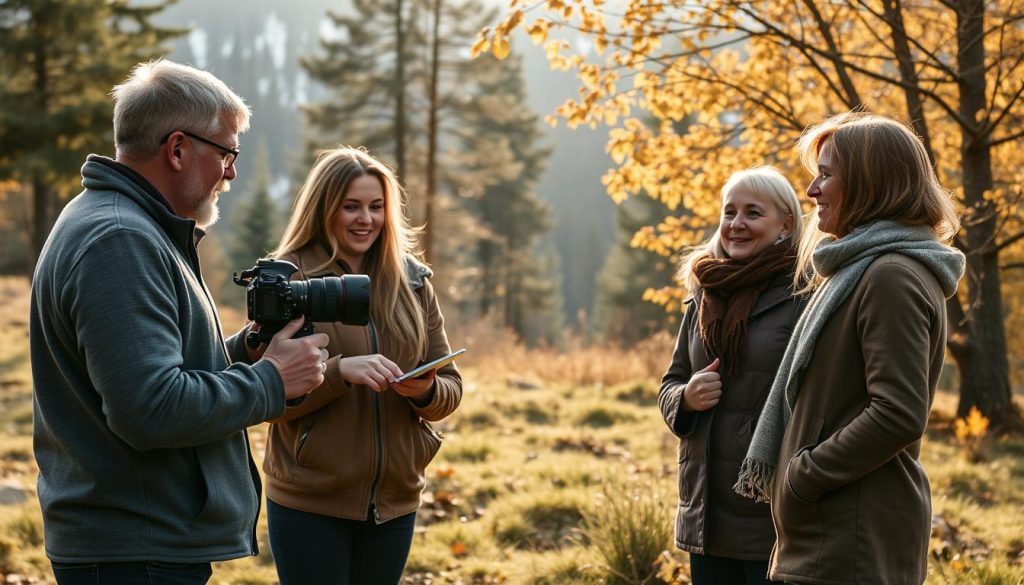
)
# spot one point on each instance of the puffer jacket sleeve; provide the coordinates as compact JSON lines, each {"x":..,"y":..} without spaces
{"x":673,"y":383}
{"x":447,"y":389}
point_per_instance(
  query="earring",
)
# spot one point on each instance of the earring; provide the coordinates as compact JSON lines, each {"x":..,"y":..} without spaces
{"x":782,"y":238}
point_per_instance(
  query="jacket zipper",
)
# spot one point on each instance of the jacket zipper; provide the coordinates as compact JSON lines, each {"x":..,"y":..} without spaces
{"x":379,"y":432}
{"x":302,"y":440}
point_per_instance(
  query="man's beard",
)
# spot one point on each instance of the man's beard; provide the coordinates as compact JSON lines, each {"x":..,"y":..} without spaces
{"x":207,"y":213}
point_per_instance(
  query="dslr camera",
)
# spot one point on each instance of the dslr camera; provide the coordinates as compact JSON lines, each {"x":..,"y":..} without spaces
{"x":272,"y":299}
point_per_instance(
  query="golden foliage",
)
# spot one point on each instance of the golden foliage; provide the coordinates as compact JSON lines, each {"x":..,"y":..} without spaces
{"x":970,"y":434}
{"x":972,"y":426}
{"x":692,"y":92}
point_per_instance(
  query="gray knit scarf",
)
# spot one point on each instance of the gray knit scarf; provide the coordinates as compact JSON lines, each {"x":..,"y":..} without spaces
{"x":842,"y":262}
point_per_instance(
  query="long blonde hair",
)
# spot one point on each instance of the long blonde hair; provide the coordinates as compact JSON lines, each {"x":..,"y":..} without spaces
{"x":768,"y":185}
{"x":394,"y":307}
{"x":884,"y":172}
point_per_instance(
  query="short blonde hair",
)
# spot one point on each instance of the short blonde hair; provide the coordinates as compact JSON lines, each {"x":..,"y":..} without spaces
{"x":162,"y":96}
{"x":768,"y":185}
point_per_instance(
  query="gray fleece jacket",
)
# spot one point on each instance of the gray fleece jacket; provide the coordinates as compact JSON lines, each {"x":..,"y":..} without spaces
{"x":139,"y":415}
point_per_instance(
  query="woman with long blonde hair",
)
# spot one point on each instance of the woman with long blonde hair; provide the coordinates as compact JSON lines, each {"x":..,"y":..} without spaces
{"x":345,"y":467}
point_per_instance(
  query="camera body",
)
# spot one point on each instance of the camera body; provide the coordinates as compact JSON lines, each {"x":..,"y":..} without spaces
{"x":272,"y":299}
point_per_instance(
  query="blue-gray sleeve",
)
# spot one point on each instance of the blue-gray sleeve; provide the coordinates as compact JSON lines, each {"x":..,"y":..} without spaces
{"x":123,"y":305}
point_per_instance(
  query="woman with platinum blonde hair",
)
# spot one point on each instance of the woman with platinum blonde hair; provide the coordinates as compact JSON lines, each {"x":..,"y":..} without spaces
{"x":345,"y":468}
{"x":837,"y":448}
{"x":738,"y":321}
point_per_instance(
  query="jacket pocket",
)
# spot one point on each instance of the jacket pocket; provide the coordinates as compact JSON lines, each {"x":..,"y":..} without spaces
{"x":685,"y":471}
{"x":303,"y":438}
{"x":430,"y":444}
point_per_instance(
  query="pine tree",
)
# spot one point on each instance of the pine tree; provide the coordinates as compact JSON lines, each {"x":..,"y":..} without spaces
{"x":60,"y":59}
{"x":500,"y":165}
{"x":256,"y":221}
{"x":621,"y":312}
{"x":369,"y":69}
{"x":468,"y":144}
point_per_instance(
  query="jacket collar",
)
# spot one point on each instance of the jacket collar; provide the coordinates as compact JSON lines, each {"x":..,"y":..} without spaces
{"x":777,"y":293}
{"x":106,"y":174}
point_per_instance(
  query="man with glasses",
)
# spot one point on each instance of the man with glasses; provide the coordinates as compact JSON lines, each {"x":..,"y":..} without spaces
{"x":145,"y":474}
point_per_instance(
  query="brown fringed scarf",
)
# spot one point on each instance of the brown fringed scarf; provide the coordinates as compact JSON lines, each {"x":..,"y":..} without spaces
{"x":730,"y":289}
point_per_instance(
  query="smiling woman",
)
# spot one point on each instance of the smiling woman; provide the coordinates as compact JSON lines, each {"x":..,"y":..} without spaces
{"x":837,"y":447}
{"x":349,"y":518}
{"x":736,"y":327}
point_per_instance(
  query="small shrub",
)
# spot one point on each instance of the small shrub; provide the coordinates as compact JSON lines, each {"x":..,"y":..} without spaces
{"x":641,"y":393}
{"x":24,"y":525}
{"x":628,"y":530}
{"x":970,"y":485}
{"x":602,"y":417}
{"x":538,"y":522}
{"x":467,"y":452}
{"x":480,"y":419}
{"x":537,"y":415}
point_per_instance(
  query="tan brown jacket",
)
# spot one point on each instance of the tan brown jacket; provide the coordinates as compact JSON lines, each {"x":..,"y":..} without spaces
{"x":851,"y":501}
{"x":345,"y":446}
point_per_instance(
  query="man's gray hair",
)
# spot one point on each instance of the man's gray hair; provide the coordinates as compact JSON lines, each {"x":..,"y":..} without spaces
{"x":162,"y":96}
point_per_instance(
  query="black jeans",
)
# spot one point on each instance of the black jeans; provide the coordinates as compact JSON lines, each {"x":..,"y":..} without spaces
{"x":712,"y":570}
{"x":140,"y":573}
{"x":313,"y":549}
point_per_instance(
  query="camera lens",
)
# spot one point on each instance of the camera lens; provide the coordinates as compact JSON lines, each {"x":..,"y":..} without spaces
{"x":345,"y":299}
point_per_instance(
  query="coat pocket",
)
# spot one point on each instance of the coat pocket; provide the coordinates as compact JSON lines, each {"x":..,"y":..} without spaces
{"x":430,"y":445}
{"x":303,"y":438}
{"x":686,"y":473}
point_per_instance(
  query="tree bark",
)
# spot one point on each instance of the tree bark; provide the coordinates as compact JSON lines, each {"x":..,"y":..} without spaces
{"x":981,"y":354}
{"x":901,"y":50}
{"x":431,"y":195}
{"x":399,"y":91}
{"x":42,"y":194}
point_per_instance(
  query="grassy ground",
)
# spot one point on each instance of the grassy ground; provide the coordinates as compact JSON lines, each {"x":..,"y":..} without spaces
{"x":556,"y":469}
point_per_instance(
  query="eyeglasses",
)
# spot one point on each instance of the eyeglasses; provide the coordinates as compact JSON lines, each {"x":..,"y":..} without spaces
{"x":229,"y":155}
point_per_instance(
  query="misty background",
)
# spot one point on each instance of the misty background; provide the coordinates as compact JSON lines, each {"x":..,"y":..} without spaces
{"x":255,"y":46}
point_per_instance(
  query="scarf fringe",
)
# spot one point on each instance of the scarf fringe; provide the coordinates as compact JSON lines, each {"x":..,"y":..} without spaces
{"x":755,"y":480}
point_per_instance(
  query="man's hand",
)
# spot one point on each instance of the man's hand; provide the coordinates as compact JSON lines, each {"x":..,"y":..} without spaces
{"x":376,"y":372}
{"x":301,"y":362}
{"x":704,"y":388}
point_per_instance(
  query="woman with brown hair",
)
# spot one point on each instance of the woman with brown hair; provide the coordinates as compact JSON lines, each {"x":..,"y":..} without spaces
{"x":732,"y":338}
{"x":345,"y":467}
{"x":837,"y":447}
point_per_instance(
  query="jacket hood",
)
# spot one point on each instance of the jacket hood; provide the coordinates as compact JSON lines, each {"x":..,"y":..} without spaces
{"x":416,"y":272}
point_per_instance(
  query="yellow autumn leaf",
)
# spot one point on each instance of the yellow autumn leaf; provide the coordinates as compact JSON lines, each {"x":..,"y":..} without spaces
{"x":500,"y":47}
{"x":977,"y":424}
{"x":538,"y":31}
{"x":481,"y":45}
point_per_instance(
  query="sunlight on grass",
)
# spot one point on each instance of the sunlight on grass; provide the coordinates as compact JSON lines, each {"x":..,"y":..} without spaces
{"x":557,"y":469}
